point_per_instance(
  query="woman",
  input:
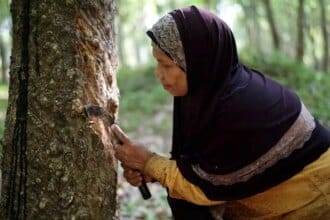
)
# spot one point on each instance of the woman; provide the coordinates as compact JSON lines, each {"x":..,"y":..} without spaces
{"x":240,"y":140}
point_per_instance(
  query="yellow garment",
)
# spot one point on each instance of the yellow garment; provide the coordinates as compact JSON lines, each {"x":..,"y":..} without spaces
{"x":166,"y":172}
{"x":305,"y":196}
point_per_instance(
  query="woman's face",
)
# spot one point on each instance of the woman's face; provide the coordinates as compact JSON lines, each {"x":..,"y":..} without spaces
{"x":170,"y":75}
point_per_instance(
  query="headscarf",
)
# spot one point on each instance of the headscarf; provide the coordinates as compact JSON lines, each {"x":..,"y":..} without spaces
{"x":231,"y":114}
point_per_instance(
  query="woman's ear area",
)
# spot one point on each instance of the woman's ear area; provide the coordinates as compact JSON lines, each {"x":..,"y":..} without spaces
{"x":153,"y":46}
{"x":161,"y":56}
{"x":154,"y":51}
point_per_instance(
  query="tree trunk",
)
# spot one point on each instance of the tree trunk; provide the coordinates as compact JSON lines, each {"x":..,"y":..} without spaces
{"x":310,"y":35}
{"x":252,"y":24}
{"x":271,"y":21}
{"x":121,"y":43}
{"x":324,"y":35}
{"x":56,"y":165}
{"x":3,"y":57}
{"x":256,"y":25}
{"x":300,"y":32}
{"x":120,"y":37}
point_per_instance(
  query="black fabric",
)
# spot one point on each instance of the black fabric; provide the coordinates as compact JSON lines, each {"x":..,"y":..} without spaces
{"x":232,"y":114}
{"x":313,"y":149}
{"x":282,"y":170}
{"x":183,"y":210}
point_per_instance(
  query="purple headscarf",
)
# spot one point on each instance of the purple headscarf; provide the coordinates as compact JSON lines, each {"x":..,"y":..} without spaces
{"x":232,"y":114}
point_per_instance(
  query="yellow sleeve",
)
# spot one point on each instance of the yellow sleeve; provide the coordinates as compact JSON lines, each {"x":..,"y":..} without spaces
{"x":166,"y":172}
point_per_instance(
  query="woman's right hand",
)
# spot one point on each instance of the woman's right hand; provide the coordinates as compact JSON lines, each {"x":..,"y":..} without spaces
{"x":134,"y":177}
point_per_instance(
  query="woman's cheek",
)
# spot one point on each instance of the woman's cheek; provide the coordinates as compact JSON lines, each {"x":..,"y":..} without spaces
{"x":157,"y":72}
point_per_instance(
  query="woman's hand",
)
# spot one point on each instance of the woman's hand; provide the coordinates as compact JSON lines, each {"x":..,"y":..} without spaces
{"x":135,"y":177}
{"x":132,"y":155}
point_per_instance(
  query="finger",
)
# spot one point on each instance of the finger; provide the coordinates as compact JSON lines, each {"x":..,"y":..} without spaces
{"x":148,"y":179}
{"x":132,"y":173}
{"x":120,"y":134}
{"x":135,"y":181}
{"x":125,"y":167}
{"x":120,"y":149}
{"x":120,"y":155}
{"x":133,"y":178}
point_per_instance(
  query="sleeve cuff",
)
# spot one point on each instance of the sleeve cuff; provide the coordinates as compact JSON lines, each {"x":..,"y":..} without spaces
{"x":159,"y":168}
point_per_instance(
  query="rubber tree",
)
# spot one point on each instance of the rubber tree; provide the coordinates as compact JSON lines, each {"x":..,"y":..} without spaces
{"x":325,"y":35}
{"x":272,"y":24}
{"x":300,"y":33}
{"x":56,"y":163}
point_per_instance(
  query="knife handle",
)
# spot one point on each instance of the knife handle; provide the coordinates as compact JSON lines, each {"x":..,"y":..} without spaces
{"x":144,"y":190}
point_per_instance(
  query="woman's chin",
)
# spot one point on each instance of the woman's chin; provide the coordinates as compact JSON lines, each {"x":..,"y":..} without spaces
{"x":176,"y":94}
{"x":171,"y":92}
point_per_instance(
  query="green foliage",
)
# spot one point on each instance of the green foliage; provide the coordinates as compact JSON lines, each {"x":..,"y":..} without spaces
{"x":141,"y":95}
{"x":3,"y":109}
{"x":4,"y":9}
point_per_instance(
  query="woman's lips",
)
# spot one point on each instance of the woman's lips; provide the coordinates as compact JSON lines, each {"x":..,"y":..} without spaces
{"x":167,"y":86}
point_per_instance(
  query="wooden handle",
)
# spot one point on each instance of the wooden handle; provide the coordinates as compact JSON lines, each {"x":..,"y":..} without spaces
{"x":145,"y":190}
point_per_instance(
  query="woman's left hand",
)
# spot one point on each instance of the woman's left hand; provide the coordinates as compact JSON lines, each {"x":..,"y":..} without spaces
{"x":131,"y":154}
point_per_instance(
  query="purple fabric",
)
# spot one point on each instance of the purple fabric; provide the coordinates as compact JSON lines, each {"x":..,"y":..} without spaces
{"x":231,"y":114}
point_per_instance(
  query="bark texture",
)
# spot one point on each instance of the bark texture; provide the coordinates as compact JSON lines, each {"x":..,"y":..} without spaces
{"x":300,"y":32}
{"x":271,"y":21}
{"x":325,"y":35}
{"x":3,"y":58}
{"x":56,"y":165}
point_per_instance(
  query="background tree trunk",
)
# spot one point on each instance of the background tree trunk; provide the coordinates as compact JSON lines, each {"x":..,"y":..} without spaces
{"x":55,"y":164}
{"x":271,"y":21}
{"x":310,"y":35}
{"x":3,"y":57}
{"x":300,"y":32}
{"x":252,"y":23}
{"x":324,"y":35}
{"x":120,"y":36}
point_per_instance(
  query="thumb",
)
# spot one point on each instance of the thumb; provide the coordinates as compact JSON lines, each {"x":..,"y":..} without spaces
{"x":148,"y":179}
{"x":120,"y":134}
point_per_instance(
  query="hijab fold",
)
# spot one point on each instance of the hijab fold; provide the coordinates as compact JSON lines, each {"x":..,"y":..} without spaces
{"x":231,"y":114}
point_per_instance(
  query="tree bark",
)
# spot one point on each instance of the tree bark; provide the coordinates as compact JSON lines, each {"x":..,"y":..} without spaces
{"x":3,"y":57}
{"x":120,"y":37}
{"x":324,"y":36}
{"x":300,"y":32}
{"x":271,"y":21}
{"x":56,"y":165}
{"x":310,"y":35}
{"x":120,"y":41}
